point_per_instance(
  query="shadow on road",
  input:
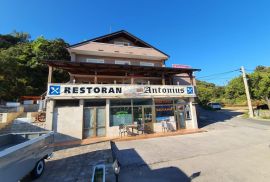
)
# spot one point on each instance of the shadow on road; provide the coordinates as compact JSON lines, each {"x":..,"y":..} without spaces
{"x":134,"y":168}
{"x":208,"y":117}
{"x":69,"y":167}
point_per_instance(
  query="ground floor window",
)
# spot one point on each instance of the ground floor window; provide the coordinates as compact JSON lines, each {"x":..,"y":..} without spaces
{"x":138,"y":111}
{"x":66,"y":103}
{"x":120,"y":115}
{"x":164,"y":113}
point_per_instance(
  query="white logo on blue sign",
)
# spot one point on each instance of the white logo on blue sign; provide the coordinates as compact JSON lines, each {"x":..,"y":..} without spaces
{"x":54,"y":90}
{"x":189,"y":90}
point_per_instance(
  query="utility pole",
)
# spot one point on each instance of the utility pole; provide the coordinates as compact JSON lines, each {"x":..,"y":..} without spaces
{"x":251,"y":114}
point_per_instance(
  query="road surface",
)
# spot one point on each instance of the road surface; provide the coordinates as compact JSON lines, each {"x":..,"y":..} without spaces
{"x":232,"y":149}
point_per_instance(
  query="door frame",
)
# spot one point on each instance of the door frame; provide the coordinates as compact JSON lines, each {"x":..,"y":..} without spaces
{"x":177,"y":117}
{"x":95,"y":122}
{"x":150,"y":124}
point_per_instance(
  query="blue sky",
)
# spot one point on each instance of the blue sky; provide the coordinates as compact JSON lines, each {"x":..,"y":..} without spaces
{"x":214,"y":35}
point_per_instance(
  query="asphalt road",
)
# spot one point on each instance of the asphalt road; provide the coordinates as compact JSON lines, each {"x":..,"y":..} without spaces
{"x":233,"y":149}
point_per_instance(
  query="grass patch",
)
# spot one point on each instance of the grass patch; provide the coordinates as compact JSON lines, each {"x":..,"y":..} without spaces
{"x":245,"y":115}
{"x":265,"y":117}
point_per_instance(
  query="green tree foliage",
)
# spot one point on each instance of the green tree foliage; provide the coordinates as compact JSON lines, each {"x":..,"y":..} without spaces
{"x":12,"y":39}
{"x":21,"y":70}
{"x":235,"y":91}
{"x":260,"y":84}
{"x":209,"y":92}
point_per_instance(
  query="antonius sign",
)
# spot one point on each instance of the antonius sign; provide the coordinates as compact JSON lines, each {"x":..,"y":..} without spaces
{"x":106,"y":91}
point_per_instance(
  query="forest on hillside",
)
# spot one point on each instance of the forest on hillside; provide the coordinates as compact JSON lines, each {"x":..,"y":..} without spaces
{"x":21,"y":69}
{"x":22,"y":73}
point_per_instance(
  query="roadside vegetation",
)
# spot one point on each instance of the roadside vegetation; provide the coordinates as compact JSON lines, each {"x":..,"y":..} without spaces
{"x":233,"y":94}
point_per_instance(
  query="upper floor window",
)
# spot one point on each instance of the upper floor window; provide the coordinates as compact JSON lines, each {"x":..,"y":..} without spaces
{"x":122,"y":62}
{"x":121,"y":43}
{"x":146,"y":64}
{"x":91,"y":60}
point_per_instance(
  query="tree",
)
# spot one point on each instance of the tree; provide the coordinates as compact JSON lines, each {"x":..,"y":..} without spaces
{"x":235,"y":91}
{"x":22,"y":36}
{"x":260,"y":84}
{"x":209,"y":92}
{"x":21,"y":69}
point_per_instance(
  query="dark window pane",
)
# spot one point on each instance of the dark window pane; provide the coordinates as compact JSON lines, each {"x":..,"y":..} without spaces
{"x":94,"y":102}
{"x":142,"y":102}
{"x":120,"y":102}
{"x":66,"y":103}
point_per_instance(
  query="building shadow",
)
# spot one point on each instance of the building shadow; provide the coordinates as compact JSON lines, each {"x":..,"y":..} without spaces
{"x":208,"y":117}
{"x":71,"y":167}
{"x":66,"y":164}
{"x":134,"y":169}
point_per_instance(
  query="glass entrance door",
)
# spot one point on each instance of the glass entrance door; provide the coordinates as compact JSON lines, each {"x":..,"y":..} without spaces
{"x":94,"y":122}
{"x":143,"y":115}
{"x":147,"y":113}
{"x":101,"y":121}
{"x":138,"y":115}
{"x":180,"y":117}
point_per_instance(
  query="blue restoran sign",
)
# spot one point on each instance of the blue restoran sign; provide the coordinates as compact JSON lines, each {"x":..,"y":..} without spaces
{"x":118,"y":91}
{"x":189,"y":90}
{"x":54,"y":90}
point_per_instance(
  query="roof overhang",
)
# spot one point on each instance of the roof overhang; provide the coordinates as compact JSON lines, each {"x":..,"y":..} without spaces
{"x":116,"y":55}
{"x":115,"y":69}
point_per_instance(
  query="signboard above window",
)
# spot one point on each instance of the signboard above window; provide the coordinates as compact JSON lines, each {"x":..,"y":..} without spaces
{"x":119,"y":91}
{"x":180,"y":66}
{"x":122,"y":62}
{"x":146,"y":64}
{"x":92,"y":60}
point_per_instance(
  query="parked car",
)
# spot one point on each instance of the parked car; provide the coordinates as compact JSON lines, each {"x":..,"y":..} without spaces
{"x":214,"y":105}
{"x":22,"y":153}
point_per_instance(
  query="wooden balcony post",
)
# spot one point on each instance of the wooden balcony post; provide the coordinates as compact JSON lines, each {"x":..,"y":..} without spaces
{"x":95,"y":79}
{"x":50,"y":74}
{"x":132,"y":78}
{"x":191,"y":78}
{"x":163,"y":79}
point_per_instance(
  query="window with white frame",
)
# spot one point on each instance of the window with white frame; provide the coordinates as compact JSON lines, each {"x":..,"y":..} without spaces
{"x":122,"y":62}
{"x":92,"y":60}
{"x":146,"y":64}
{"x":121,"y":43}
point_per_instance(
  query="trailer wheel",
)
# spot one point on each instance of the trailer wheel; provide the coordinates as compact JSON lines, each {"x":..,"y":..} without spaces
{"x":38,"y":170}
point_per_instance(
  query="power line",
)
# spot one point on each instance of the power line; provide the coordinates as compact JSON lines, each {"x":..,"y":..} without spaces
{"x":218,"y":78}
{"x":219,"y":74}
{"x":250,"y":70}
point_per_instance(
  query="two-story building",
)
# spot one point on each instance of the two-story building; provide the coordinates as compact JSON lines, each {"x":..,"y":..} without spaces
{"x":119,"y":79}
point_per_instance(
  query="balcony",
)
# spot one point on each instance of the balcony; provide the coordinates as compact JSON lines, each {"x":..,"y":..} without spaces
{"x":77,"y":91}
